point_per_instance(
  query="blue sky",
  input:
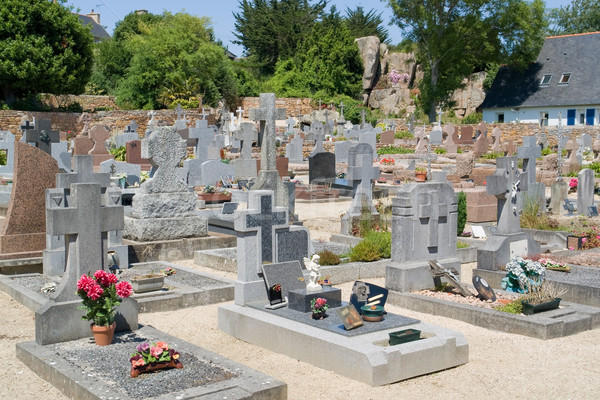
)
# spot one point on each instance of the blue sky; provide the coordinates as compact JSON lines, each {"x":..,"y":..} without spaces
{"x":220,"y":12}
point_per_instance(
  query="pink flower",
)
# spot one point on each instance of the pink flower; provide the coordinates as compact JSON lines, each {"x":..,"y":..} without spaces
{"x":598,"y":237}
{"x":583,"y":240}
{"x":94,"y":292}
{"x":85,"y":282}
{"x":142,"y":347}
{"x":102,"y":277}
{"x":155,"y":351}
{"x":571,"y":248}
{"x":124,"y":289}
{"x":112,"y":278}
{"x":320,"y":303}
{"x":162,"y":345}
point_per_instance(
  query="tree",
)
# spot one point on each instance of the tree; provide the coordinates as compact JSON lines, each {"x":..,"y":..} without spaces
{"x":578,"y":17}
{"x":369,"y":24}
{"x":43,"y":48}
{"x":454,"y":38}
{"x":271,"y":30}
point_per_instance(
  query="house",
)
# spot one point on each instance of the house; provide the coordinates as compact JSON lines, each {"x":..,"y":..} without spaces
{"x":98,"y":30}
{"x":563,"y":80}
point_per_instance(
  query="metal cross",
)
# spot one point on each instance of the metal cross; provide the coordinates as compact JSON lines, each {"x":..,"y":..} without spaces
{"x":429,"y":157}
{"x":560,"y":136}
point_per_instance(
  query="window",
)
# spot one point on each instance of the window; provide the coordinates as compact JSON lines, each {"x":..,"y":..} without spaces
{"x":546,"y":79}
{"x":564,"y":79}
{"x":500,"y":118}
{"x":544,"y":116}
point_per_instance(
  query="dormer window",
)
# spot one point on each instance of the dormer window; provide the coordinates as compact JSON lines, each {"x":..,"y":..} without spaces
{"x":564,"y":79}
{"x":546,"y":79}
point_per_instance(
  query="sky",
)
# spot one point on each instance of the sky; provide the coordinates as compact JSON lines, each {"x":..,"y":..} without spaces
{"x":220,"y":12}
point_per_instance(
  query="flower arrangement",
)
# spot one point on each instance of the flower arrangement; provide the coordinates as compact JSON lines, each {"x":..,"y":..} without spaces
{"x":522,"y":274}
{"x":420,"y":169}
{"x":168,"y":271}
{"x":395,"y":76}
{"x":148,"y":357}
{"x":209,"y":189}
{"x":590,"y":237}
{"x":573,"y":183}
{"x":144,"y":176}
{"x":325,"y":281}
{"x":319,"y":305}
{"x":381,"y":179}
{"x":276,"y":287}
{"x":553,"y":265}
{"x":387,"y":161}
{"x":101,"y":294}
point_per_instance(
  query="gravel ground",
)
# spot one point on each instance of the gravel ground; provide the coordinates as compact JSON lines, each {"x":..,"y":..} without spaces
{"x":472,"y":301}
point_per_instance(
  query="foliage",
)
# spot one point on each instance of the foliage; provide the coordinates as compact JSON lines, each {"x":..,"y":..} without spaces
{"x":363,"y":24}
{"x":595,"y":166}
{"x":546,"y":151}
{"x":271,"y":30}
{"x":522,"y":275}
{"x":514,"y":307}
{"x":440,"y":150}
{"x":473,"y":118}
{"x":364,"y":251}
{"x":328,"y":258}
{"x":579,"y":16}
{"x":461,"y":219}
{"x":538,"y":292}
{"x":403,"y":135}
{"x":382,"y":241}
{"x":534,"y":216}
{"x":119,"y":153}
{"x":43,"y":48}
{"x":491,"y":155}
{"x":590,"y":237}
{"x":461,"y":245}
{"x":101,"y":294}
{"x":452,"y":40}
{"x":147,"y":353}
{"x":394,"y":150}
{"x":319,"y":305}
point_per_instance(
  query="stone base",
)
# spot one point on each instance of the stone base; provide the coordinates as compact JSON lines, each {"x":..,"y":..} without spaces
{"x":299,"y":300}
{"x":77,"y":382}
{"x":410,"y":276}
{"x":558,"y":194}
{"x":365,"y":357}
{"x":163,"y":205}
{"x":500,"y":249}
{"x":481,"y":207}
{"x":351,"y":222}
{"x":151,"y":229}
{"x":24,"y":243}
{"x":180,"y":249}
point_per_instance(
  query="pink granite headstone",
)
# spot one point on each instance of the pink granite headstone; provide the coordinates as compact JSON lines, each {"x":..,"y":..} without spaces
{"x":134,"y":155}
{"x":99,"y":135}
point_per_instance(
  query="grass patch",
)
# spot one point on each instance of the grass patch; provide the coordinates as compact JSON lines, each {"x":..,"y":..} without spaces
{"x":514,"y":307}
{"x":461,"y":245}
{"x":394,"y":150}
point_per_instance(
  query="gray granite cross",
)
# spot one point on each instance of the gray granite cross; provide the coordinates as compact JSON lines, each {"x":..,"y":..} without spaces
{"x":342,"y":119}
{"x":203,"y":135}
{"x":529,"y":152}
{"x":365,"y":172}
{"x":239,"y":112}
{"x":267,"y":114}
{"x":428,"y":157}
{"x":247,"y":134}
{"x":204,"y":114}
{"x":431,"y":209}
{"x":266,"y":221}
{"x":83,"y":172}
{"x":179,"y":111}
{"x":561,"y":136}
{"x":85,"y":224}
{"x":326,"y":130}
{"x":506,"y":184}
{"x":362,"y":117}
{"x":42,"y":135}
{"x":290,"y":125}
{"x":132,"y":127}
{"x":28,"y":126}
{"x":439,"y":113}
{"x":165,"y":149}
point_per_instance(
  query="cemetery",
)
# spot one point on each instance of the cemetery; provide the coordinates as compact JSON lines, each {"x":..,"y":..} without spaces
{"x":374,"y":240}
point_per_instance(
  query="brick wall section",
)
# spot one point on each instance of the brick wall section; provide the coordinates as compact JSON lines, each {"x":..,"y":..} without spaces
{"x":88,"y":103}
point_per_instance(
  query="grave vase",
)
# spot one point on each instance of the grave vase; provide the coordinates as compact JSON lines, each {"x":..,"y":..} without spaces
{"x":103,"y":335}
{"x":420,"y":176}
{"x":318,"y":315}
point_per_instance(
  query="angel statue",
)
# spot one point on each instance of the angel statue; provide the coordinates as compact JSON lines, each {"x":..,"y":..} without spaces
{"x":313,"y":266}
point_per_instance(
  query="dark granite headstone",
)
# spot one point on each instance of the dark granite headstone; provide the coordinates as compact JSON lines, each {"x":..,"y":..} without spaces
{"x":292,"y":245}
{"x":300,"y":299}
{"x":321,"y":166}
{"x":42,"y":135}
{"x":366,"y":293}
{"x":288,"y":275}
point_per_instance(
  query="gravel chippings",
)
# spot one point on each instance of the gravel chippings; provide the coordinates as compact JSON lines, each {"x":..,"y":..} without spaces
{"x":181,"y":276}
{"x":35,"y":283}
{"x":455,"y":297}
{"x":110,"y":364}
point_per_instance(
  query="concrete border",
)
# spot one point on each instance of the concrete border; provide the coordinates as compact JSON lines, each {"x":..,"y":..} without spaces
{"x":569,"y":319}
{"x":366,"y":358}
{"x":21,"y":266}
{"x":77,"y":384}
{"x":180,"y":249}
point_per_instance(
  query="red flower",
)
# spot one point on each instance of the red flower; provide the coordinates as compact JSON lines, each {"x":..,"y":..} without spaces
{"x":124,"y":289}
{"x":85,"y":283}
{"x":94,"y":292}
{"x":320,"y":302}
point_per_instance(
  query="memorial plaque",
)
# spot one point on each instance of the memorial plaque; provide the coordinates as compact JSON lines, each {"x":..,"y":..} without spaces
{"x":349,"y":316}
{"x":288,"y":275}
{"x":364,"y":293}
{"x":518,"y":249}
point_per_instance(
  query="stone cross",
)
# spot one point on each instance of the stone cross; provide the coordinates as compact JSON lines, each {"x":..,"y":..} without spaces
{"x":239,"y":112}
{"x":204,"y":114}
{"x":83,"y":172}
{"x":506,"y":184}
{"x":529,"y":152}
{"x":165,"y":149}
{"x":561,"y":137}
{"x":439,"y":113}
{"x":85,"y":224}
{"x":151,"y":114}
{"x":326,"y":114}
{"x":264,"y":222}
{"x":320,"y":104}
{"x":365,"y":172}
{"x":431,"y":210}
{"x":411,"y":124}
{"x":497,"y":135}
{"x":27,"y":126}
{"x":290,"y":125}
{"x":247,"y":134}
{"x":179,"y":111}
{"x":342,"y":119}
{"x":429,"y":157}
{"x":509,"y":147}
{"x":132,"y":127}
{"x":362,"y":117}
{"x":267,"y":114}
{"x":204,"y":136}
{"x":42,"y":135}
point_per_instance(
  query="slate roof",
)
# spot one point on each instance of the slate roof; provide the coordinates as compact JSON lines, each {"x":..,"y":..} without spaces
{"x":98,"y":31}
{"x":578,"y":54}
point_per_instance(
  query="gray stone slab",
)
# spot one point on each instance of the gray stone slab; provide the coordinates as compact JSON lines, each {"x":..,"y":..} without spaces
{"x":300,"y":300}
{"x":78,"y":378}
{"x":366,"y":358}
{"x":288,"y":274}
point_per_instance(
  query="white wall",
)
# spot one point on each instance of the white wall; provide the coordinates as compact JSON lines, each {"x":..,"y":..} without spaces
{"x":532,"y":115}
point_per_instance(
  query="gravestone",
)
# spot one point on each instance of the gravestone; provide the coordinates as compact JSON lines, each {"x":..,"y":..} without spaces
{"x":42,"y":136}
{"x":562,"y":137}
{"x":7,"y":145}
{"x":436,"y":135}
{"x":585,"y":191}
{"x":133,"y":155}
{"x":508,"y":241}
{"x":466,"y":135}
{"x":268,"y":176}
{"x":450,"y":143}
{"x":128,"y":135}
{"x":287,"y":274}
{"x":370,"y":137}
{"x":497,"y":135}
{"x":387,"y":138}
{"x":572,"y":164}
{"x":428,"y":157}
{"x":481,"y":146}
{"x":203,"y":136}
{"x":481,"y":129}
{"x":509,"y":147}
{"x":82,"y":145}
{"x":424,"y":219}
{"x":294,"y":150}
{"x":115,"y":168}
{"x":211,"y":172}
{"x":99,"y":135}
{"x":245,"y":166}
{"x":85,"y":223}
{"x":341,"y":151}
{"x":60,"y":152}
{"x":164,"y":208}
{"x":321,"y":166}
{"x":421,"y":136}
{"x":362,"y":202}
{"x":558,"y":194}
{"x":529,"y":152}
{"x":23,"y":233}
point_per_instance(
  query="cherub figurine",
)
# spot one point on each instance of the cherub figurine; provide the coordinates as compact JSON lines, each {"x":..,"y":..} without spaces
{"x":313,"y":266}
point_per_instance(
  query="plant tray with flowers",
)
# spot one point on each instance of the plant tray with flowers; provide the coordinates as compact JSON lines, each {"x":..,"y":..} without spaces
{"x":553,"y":265}
{"x":387,"y":161}
{"x":153,"y":356}
{"x":319,"y":308}
{"x":521,"y":274}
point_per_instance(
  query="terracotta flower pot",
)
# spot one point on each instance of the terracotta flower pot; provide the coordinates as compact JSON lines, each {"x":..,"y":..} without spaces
{"x":103,"y":335}
{"x":420,"y":176}
{"x":137,"y":371}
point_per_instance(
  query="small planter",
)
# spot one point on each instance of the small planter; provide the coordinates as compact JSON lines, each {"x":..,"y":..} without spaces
{"x":404,"y":336}
{"x":103,"y":335}
{"x":212,"y":198}
{"x":137,"y":371}
{"x":420,"y":176}
{"x":318,"y":315}
{"x":372,"y":313}
{"x":574,"y":242}
{"x":147,"y":283}
{"x":530,"y":309}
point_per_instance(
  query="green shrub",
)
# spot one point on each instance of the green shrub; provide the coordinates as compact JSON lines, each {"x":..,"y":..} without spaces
{"x":474,"y":118}
{"x":394,"y":150}
{"x":514,"y":307}
{"x":461,"y":245}
{"x":491,"y":156}
{"x":404,"y":135}
{"x":546,"y":151}
{"x":462,"y":213}
{"x":440,"y":150}
{"x":119,"y":153}
{"x":328,"y":258}
{"x":595,"y":166}
{"x":383,"y":242}
{"x":365,"y":251}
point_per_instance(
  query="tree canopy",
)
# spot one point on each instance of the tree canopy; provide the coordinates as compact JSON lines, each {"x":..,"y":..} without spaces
{"x":366,"y":24}
{"x":453,"y":38}
{"x":578,"y":17}
{"x":43,"y":48}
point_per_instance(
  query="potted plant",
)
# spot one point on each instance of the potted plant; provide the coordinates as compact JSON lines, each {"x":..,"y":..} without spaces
{"x":522,"y":274}
{"x":541,"y":296}
{"x":573,"y":185}
{"x":150,"y":357}
{"x":325,"y":281}
{"x":420,"y":174}
{"x":319,"y":308}
{"x":101,"y":294}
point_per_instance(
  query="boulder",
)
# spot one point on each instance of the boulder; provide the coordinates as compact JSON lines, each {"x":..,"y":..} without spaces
{"x":368,"y":47}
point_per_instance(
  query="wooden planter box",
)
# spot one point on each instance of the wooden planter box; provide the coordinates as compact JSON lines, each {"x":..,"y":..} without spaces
{"x":211,"y":198}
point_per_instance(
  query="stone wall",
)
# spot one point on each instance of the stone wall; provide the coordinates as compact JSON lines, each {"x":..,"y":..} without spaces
{"x":88,"y":103}
{"x":293,"y":106}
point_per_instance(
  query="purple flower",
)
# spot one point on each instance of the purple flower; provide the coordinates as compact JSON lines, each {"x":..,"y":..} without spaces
{"x":143,"y":347}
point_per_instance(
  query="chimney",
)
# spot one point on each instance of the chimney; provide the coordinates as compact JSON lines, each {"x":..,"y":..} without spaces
{"x":95,"y":16}
{"x":141,"y":12}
